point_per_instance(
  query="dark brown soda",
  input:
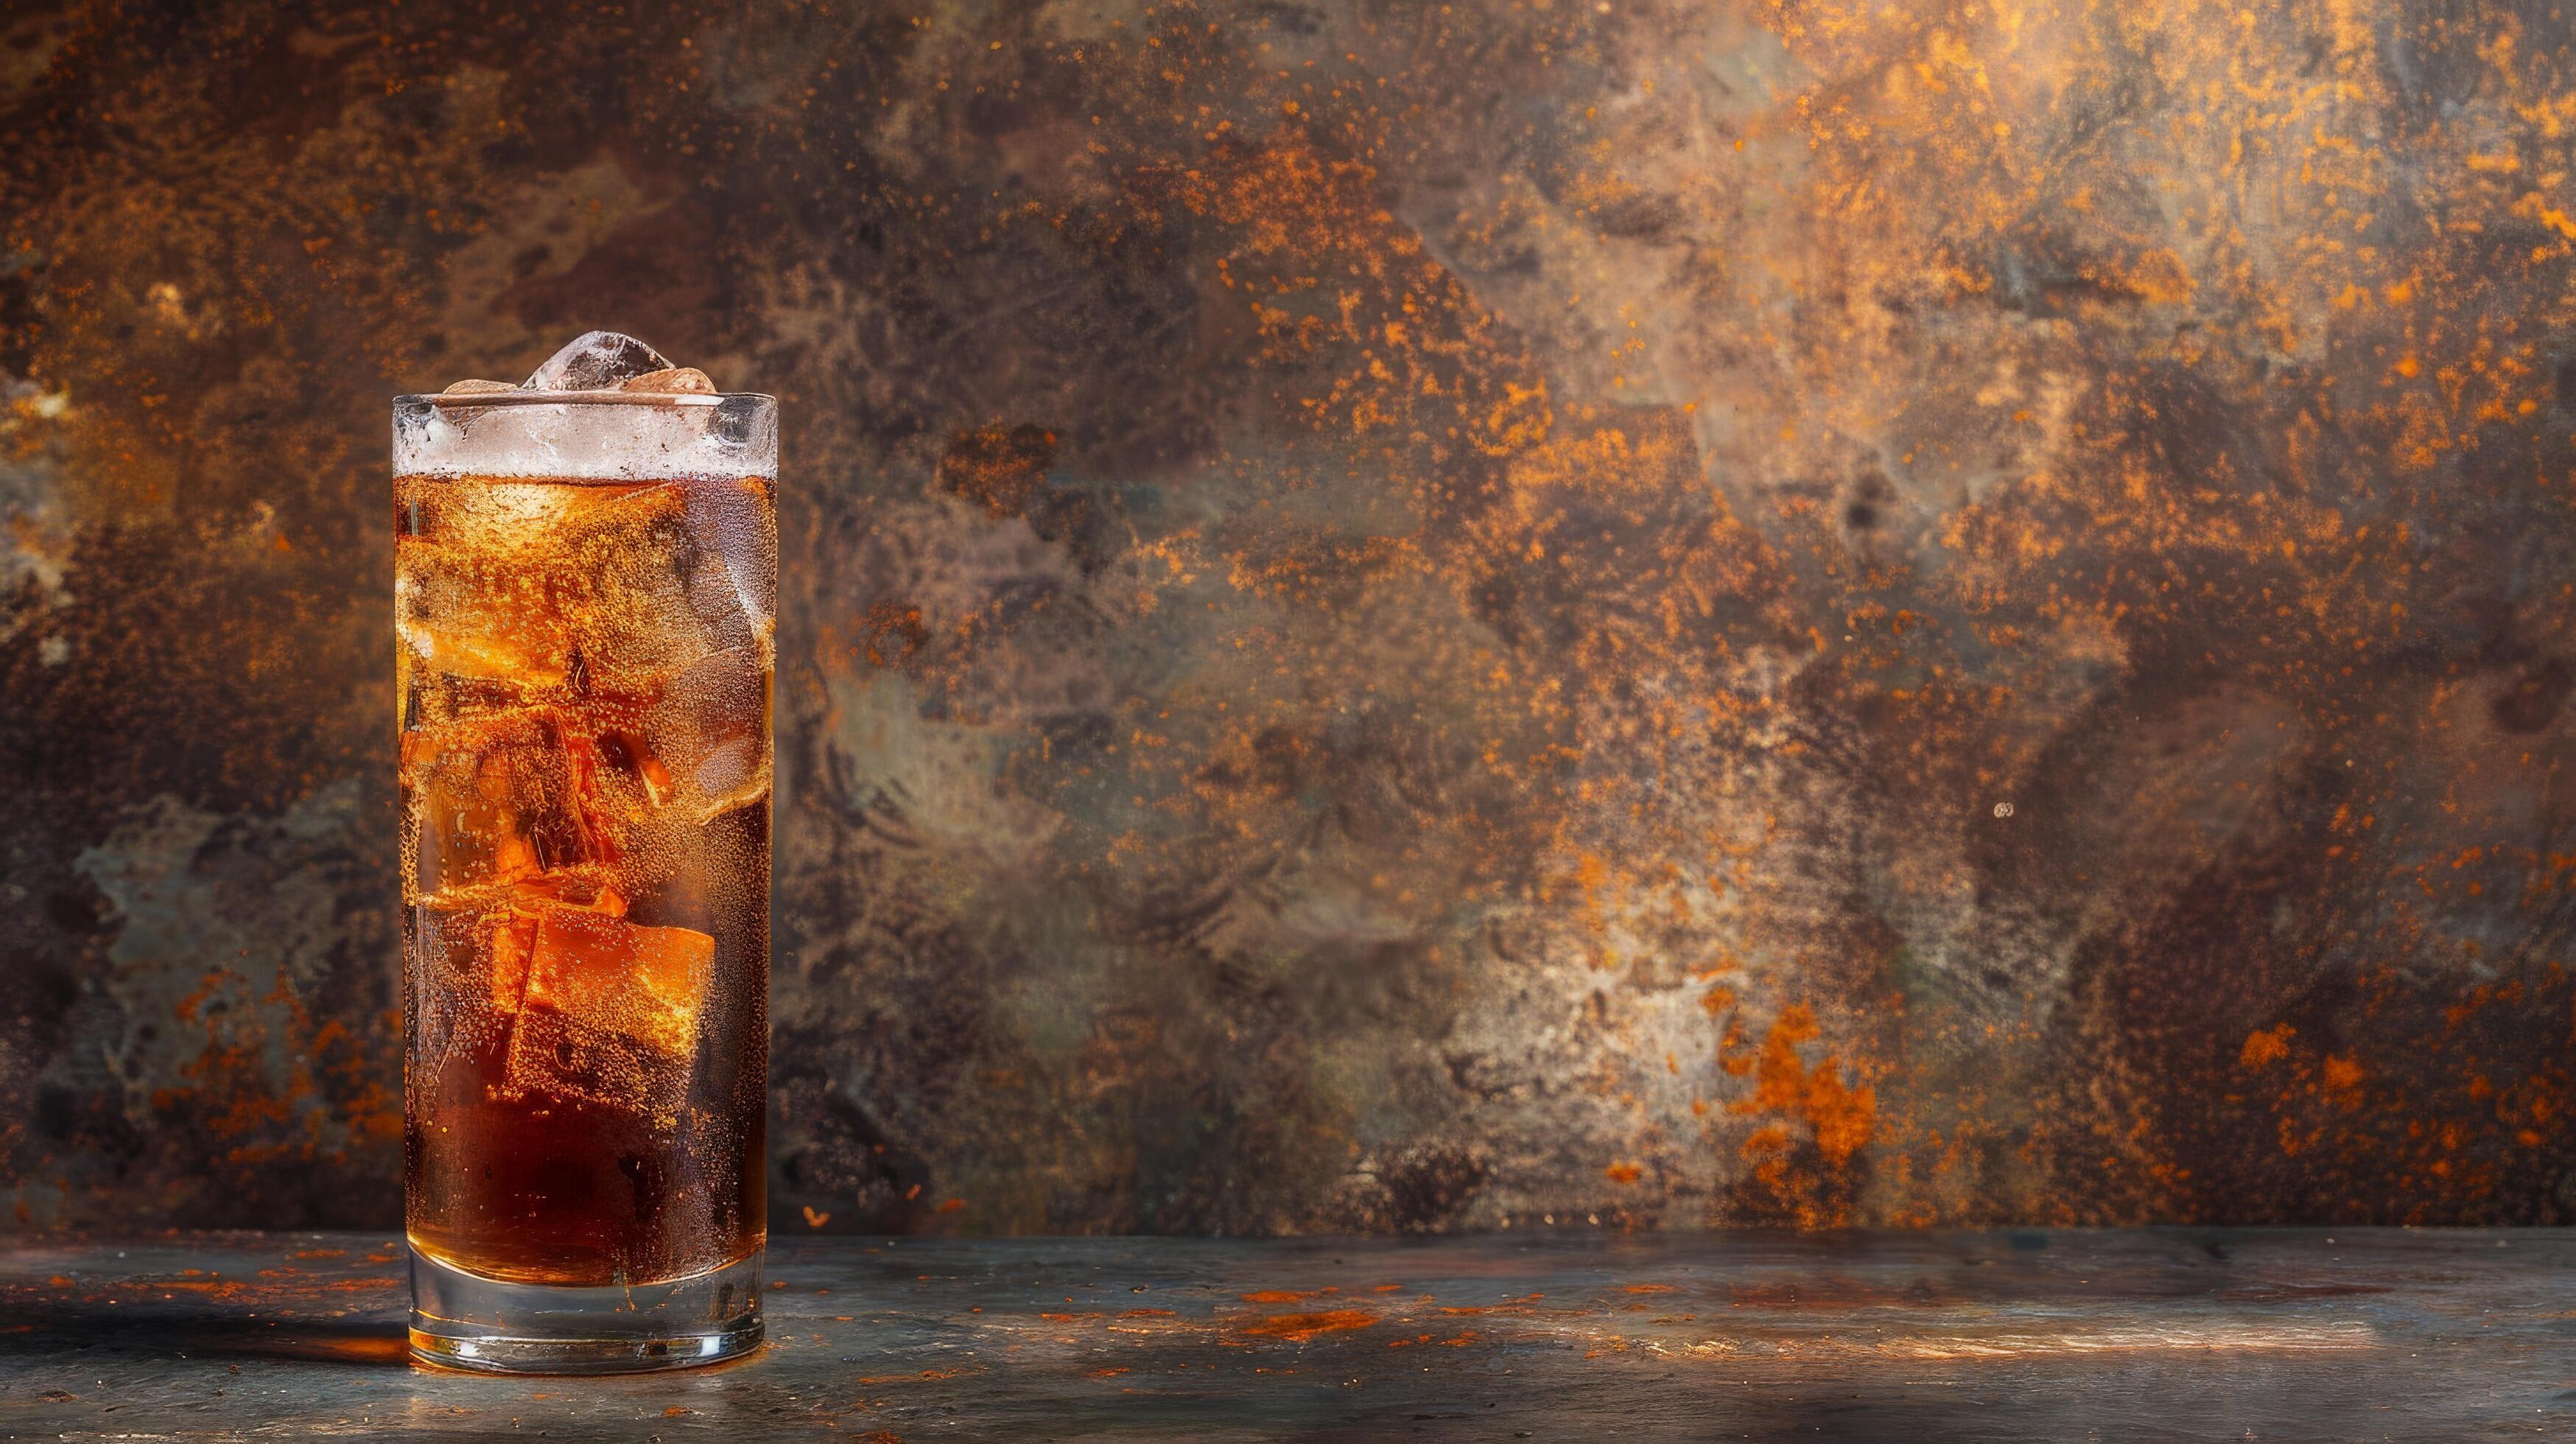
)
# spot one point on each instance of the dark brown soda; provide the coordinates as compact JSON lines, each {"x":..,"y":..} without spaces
{"x":585,"y":765}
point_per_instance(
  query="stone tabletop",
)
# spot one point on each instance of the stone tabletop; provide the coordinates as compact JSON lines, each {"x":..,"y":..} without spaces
{"x":2312,"y":1334}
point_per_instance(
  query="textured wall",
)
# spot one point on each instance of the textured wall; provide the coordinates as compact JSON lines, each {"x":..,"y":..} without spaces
{"x":1396,"y":615}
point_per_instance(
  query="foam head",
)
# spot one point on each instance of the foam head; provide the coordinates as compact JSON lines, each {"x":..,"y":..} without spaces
{"x":604,"y":408}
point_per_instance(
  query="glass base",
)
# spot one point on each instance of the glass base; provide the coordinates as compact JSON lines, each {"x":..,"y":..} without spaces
{"x":465,"y":1321}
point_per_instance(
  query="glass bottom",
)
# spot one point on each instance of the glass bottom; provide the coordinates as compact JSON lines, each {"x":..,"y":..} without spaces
{"x":465,"y":1321}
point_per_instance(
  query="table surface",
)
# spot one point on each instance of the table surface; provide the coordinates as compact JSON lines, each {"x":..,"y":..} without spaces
{"x":2264,"y":1334}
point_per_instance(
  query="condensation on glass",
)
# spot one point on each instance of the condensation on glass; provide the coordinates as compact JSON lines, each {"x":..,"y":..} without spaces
{"x":585,"y":592}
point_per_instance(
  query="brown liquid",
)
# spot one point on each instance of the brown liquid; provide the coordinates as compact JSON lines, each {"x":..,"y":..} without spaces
{"x":585,"y":771}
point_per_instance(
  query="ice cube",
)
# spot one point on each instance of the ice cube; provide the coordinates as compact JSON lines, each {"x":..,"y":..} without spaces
{"x":499,"y":799}
{"x":678,"y":378}
{"x":471,"y":956}
{"x":597,"y":361}
{"x":736,"y":534}
{"x":718,"y":607}
{"x":476,"y":388}
{"x":471,"y":614}
{"x":512,"y":931}
{"x":610,"y":1012}
{"x":583,"y":889}
{"x":526,"y":656}
{"x":455,"y":988}
{"x":432,"y":699}
{"x":628,"y":575}
{"x":708,"y":730}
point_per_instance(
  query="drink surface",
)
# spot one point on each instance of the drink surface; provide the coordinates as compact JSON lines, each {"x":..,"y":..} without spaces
{"x":584,"y":671}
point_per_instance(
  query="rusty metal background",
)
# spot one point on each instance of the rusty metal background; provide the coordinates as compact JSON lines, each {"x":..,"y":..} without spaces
{"x":1397,"y":616}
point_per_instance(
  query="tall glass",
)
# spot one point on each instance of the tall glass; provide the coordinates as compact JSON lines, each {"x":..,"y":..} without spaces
{"x":585,"y":589}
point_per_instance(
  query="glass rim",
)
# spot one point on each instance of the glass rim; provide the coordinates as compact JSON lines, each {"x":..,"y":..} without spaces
{"x":470,"y":400}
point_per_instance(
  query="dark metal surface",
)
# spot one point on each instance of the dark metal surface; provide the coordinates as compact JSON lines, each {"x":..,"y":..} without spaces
{"x":2365,"y":1334}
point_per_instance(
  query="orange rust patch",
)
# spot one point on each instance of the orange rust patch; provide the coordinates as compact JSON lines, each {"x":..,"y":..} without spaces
{"x":2265,"y":1046}
{"x":1286,"y":1296}
{"x":1839,"y":1118}
{"x":1844,"y":1118}
{"x":998,"y":467}
{"x":1298,"y":1328}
